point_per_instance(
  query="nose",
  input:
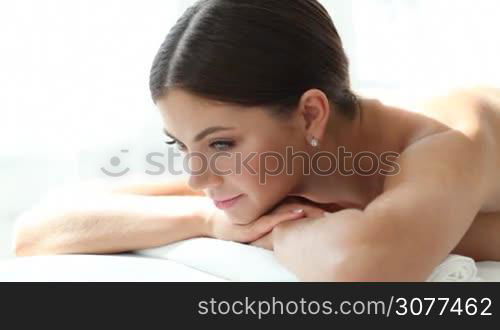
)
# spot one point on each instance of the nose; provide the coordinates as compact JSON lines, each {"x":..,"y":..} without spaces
{"x":201,"y":176}
{"x":201,"y":181}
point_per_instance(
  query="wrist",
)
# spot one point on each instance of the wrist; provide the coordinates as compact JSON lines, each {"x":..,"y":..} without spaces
{"x":204,"y":219}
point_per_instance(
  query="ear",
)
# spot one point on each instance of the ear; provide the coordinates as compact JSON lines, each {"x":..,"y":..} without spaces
{"x":314,"y":110}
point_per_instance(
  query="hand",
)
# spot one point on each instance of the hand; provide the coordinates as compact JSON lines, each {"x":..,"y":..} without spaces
{"x":221,"y":227}
{"x":289,"y":203}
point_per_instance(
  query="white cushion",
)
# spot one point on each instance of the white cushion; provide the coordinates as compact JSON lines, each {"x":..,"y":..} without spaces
{"x":226,"y":259}
{"x":241,"y":262}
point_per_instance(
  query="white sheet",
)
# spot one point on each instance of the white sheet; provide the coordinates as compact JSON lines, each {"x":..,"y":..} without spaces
{"x":196,"y":260}
{"x":226,"y":259}
{"x":240,"y":262}
{"x":489,"y":271}
{"x":98,"y":268}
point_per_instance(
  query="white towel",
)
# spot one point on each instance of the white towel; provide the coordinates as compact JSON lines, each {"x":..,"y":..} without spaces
{"x":455,"y":268}
{"x":241,"y":262}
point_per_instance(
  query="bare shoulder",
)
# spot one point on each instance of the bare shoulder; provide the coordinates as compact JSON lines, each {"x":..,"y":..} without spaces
{"x":422,"y":113}
{"x":471,"y":112}
{"x":462,"y":108}
{"x":467,"y":132}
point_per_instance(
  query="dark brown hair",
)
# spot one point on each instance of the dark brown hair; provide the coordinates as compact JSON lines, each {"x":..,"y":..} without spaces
{"x":255,"y":53}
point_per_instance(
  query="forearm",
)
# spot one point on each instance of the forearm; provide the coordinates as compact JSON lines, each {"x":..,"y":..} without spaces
{"x":306,"y":249}
{"x":343,"y":247}
{"x":174,"y":186}
{"x":109,"y":223}
{"x":321,"y":249}
{"x":380,"y":262}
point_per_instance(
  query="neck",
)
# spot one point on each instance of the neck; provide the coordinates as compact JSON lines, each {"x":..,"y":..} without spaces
{"x":357,"y":146}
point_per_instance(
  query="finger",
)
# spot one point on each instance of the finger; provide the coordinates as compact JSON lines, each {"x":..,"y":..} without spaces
{"x":309,"y":211}
{"x":267,"y":222}
{"x":314,"y":212}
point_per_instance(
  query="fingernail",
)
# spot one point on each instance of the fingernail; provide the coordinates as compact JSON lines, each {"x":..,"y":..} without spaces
{"x":298,"y":210}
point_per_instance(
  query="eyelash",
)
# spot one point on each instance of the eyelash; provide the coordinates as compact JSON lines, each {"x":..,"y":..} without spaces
{"x":228,"y":144}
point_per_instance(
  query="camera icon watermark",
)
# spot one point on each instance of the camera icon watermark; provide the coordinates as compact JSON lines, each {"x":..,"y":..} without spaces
{"x":115,"y":162}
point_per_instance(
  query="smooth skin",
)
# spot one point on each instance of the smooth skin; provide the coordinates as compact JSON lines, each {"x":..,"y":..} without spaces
{"x":444,"y":199}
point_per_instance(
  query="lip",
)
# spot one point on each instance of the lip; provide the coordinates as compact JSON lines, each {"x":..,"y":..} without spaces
{"x":224,"y":204}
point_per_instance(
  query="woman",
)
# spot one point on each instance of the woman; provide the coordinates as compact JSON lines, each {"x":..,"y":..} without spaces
{"x":255,"y":78}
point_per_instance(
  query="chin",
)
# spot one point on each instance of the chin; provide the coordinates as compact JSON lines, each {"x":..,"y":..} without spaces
{"x":242,"y":222}
{"x":242,"y":219}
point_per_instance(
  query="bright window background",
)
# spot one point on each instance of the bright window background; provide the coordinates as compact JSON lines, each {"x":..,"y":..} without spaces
{"x":74,"y":77}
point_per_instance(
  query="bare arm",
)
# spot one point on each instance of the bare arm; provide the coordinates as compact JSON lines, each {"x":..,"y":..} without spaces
{"x":100,"y":218}
{"x":103,"y":218}
{"x":404,"y":233}
{"x":178,"y":186}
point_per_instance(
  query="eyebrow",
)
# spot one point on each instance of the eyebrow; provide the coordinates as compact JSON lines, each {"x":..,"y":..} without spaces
{"x":200,"y":136}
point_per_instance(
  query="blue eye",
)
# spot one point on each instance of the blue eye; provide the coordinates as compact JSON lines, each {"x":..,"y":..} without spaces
{"x":218,"y":145}
{"x":227,"y":145}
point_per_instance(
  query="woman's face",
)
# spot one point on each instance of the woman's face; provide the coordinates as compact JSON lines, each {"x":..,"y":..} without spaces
{"x":247,"y":158}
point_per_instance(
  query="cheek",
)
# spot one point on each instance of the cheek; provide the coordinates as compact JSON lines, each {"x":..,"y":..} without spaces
{"x":271,"y":183}
{"x":262,"y":177}
{"x":222,"y":164}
